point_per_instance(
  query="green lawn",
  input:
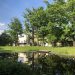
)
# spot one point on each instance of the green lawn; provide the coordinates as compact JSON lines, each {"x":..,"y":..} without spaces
{"x":68,"y":51}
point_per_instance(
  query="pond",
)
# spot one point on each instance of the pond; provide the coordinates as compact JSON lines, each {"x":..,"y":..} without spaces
{"x":41,"y":63}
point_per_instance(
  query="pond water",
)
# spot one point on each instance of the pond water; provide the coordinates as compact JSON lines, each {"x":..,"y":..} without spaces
{"x":43,"y":63}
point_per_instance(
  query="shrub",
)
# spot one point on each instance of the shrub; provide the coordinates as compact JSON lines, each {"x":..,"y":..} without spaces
{"x":14,"y":68}
{"x":55,"y":65}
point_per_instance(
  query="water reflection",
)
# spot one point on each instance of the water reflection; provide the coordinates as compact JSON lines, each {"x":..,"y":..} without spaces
{"x":43,"y":63}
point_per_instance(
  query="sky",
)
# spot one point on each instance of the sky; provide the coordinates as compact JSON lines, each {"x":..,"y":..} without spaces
{"x":16,"y":8}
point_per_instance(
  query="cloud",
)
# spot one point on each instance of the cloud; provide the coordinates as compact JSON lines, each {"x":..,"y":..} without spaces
{"x":1,"y":31}
{"x":2,"y":24}
{"x":2,"y":27}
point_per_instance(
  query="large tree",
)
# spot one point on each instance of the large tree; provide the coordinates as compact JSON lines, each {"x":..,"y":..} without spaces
{"x":57,"y":18}
{"x":34,"y":19}
{"x":70,"y":10}
{"x":30,"y":23}
{"x":15,"y":29}
{"x":56,"y":21}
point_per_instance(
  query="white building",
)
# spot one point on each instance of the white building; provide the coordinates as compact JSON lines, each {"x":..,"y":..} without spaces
{"x":25,"y":39}
{"x":22,"y":39}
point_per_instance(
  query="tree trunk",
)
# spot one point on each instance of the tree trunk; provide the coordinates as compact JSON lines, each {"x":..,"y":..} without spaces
{"x":43,"y":41}
{"x":16,"y":41}
{"x":33,"y":36}
{"x":54,"y":43}
{"x":74,"y":43}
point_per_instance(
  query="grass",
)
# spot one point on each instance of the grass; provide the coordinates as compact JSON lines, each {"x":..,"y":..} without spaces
{"x":67,"y":51}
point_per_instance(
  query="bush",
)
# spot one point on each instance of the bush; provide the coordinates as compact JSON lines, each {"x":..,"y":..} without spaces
{"x":13,"y":68}
{"x":55,"y":65}
{"x":5,"y":39}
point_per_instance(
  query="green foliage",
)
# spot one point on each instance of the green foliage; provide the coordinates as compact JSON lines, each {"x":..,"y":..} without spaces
{"x":5,"y":39}
{"x":51,"y":38}
{"x":48,"y":21}
{"x":15,"y":29}
{"x":42,"y":33}
{"x":35,"y":20}
{"x":55,"y":23}
{"x":53,"y":64}
{"x":13,"y":68}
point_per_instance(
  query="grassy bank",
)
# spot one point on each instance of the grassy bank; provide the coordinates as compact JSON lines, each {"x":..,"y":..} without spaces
{"x":57,"y":50}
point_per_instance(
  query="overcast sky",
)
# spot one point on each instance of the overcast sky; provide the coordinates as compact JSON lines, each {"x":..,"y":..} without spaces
{"x":15,"y":8}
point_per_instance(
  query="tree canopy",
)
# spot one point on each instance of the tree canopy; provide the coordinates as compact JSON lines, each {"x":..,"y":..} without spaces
{"x":15,"y":29}
{"x":52,"y":24}
{"x":55,"y":23}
